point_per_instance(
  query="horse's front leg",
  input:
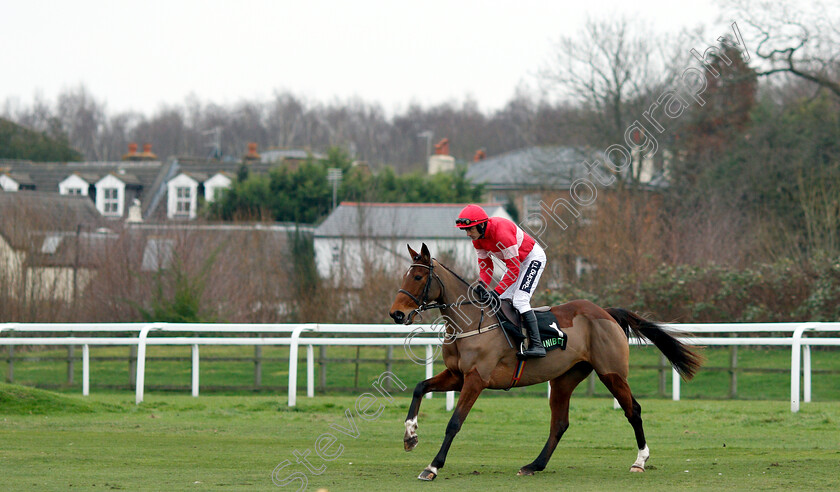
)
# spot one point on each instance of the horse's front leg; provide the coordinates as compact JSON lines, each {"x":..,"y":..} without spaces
{"x":472,"y":387}
{"x":445,"y":381}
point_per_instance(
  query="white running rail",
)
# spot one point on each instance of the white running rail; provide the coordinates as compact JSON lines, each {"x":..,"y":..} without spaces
{"x":310,"y":335}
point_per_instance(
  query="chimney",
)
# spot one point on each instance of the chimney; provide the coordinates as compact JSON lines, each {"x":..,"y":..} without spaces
{"x":441,"y":161}
{"x":147,"y":154}
{"x":252,"y":154}
{"x":132,"y":152}
{"x":442,"y":147}
{"x":135,"y":214}
{"x":480,"y":155}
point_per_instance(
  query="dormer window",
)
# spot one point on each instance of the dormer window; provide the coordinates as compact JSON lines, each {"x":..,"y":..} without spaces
{"x":111,"y":200}
{"x":110,"y":196}
{"x":8,"y":184}
{"x":214,"y":186}
{"x":183,"y":200}
{"x":73,"y":185}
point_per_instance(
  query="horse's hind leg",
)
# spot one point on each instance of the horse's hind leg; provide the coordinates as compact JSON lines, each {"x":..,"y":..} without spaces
{"x":618,"y":386}
{"x":561,"y":391}
{"x":445,"y":381}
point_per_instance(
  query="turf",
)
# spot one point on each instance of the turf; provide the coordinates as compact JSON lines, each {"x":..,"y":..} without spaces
{"x":174,"y":442}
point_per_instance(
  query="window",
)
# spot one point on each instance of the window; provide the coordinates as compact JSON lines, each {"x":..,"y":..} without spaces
{"x":182,"y":201}
{"x":217,"y":192}
{"x":51,"y":244}
{"x":74,"y":191}
{"x":111,"y":201}
{"x":582,"y":266}
{"x":336,"y":255}
{"x":501,"y":199}
{"x":532,"y":213}
{"x":158,"y":254}
{"x":531,"y":204}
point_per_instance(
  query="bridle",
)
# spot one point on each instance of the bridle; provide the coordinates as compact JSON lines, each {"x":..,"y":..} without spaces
{"x":423,"y":302}
{"x":424,"y":305}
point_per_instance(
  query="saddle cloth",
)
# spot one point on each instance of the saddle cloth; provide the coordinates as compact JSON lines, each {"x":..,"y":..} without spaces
{"x":550,"y":333}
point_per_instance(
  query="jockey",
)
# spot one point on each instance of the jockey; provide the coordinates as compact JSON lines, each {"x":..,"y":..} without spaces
{"x":524,"y":258}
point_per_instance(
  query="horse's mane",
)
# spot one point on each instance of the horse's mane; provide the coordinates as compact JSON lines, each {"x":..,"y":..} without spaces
{"x":452,"y":272}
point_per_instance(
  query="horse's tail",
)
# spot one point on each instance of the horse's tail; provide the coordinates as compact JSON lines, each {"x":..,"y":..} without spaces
{"x":685,"y":361}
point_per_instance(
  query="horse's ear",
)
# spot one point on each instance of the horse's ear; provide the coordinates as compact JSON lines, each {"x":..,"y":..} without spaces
{"x":414,"y":254}
{"x":426,"y":257}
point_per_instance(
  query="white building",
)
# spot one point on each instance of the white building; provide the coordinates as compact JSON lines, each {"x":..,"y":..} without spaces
{"x":359,"y":237}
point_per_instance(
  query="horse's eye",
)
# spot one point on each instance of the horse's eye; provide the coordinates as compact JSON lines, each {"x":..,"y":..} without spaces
{"x":417,"y":277}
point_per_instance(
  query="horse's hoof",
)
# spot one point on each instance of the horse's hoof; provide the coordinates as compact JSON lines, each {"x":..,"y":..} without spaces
{"x":427,"y":475}
{"x":525,"y":472}
{"x":637,"y":469}
{"x":410,"y":443}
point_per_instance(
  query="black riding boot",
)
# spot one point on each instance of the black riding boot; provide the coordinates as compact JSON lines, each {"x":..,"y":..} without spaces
{"x":535,"y":347}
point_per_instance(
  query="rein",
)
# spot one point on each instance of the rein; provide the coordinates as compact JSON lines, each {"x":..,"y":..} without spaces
{"x":424,"y":305}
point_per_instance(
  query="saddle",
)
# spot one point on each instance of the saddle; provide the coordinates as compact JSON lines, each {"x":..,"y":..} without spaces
{"x":550,"y":333}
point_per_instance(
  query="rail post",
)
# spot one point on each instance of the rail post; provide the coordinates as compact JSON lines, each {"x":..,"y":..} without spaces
{"x":675,"y":385}
{"x":141,"y":360}
{"x":795,"y":362}
{"x":293,"y":360}
{"x":195,"y":370}
{"x":85,"y":370}
{"x":310,"y":371}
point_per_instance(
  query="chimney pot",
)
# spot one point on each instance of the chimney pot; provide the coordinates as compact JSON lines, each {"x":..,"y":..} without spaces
{"x":252,"y":154}
{"x":442,"y":147}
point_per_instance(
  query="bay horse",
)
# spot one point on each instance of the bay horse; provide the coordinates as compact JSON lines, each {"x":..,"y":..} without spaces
{"x":478,"y":356}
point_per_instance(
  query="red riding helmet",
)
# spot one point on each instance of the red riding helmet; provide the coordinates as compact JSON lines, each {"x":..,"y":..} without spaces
{"x":470,"y":216}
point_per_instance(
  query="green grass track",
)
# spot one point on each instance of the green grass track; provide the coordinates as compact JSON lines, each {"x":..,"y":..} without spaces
{"x":53,"y":441}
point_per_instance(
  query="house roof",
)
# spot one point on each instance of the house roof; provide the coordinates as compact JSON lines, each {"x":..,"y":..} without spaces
{"x":40,"y":222}
{"x":398,"y":220}
{"x":532,"y":167}
{"x":21,"y":178}
{"x":207,"y":168}
{"x":236,"y":247}
{"x":274,"y":155}
{"x":154,"y":206}
{"x":46,"y":176}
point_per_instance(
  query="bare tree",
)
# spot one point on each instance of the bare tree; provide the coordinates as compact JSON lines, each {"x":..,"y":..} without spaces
{"x":82,"y":117}
{"x":613,"y":68}
{"x":116,"y":134}
{"x":795,"y":39}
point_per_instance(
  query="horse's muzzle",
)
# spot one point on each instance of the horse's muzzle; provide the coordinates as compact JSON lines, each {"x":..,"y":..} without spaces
{"x":399,"y":317}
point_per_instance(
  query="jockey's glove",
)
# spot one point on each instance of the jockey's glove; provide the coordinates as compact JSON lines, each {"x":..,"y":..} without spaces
{"x":485,"y":296}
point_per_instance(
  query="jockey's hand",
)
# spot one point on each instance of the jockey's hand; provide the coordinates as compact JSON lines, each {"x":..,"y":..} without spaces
{"x":485,"y":296}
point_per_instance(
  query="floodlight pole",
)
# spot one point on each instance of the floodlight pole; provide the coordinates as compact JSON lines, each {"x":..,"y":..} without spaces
{"x":334,"y":177}
{"x":428,"y":135}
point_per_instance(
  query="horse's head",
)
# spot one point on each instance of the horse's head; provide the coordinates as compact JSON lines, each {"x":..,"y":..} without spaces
{"x":417,"y":287}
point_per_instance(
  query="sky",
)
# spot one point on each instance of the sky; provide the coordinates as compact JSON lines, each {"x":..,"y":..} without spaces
{"x":143,"y":55}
